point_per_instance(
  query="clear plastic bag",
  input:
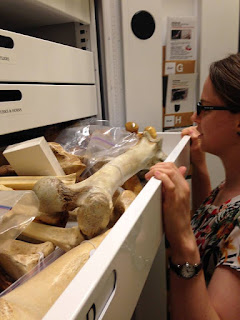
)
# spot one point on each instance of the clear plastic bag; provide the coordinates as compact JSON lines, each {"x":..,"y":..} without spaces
{"x":17,"y":209}
{"x":97,"y":143}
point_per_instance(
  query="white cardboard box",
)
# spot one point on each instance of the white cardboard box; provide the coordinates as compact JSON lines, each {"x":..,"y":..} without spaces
{"x":28,"y":59}
{"x":25,"y":106}
{"x":33,"y":158}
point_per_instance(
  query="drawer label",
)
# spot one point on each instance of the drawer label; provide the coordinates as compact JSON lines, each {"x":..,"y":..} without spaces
{"x":7,"y":57}
{"x":8,"y":110}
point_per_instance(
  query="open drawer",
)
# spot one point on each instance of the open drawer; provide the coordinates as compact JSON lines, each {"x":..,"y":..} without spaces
{"x":110,"y":283}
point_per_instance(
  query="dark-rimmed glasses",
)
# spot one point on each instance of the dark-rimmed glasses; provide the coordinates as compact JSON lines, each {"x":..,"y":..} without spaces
{"x":200,"y":107}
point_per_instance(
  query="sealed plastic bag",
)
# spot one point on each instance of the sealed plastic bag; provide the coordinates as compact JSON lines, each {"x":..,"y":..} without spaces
{"x":17,"y":210}
{"x":96,"y":143}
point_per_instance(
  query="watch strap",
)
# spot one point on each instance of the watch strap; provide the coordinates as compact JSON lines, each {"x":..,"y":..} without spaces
{"x":177,"y":268}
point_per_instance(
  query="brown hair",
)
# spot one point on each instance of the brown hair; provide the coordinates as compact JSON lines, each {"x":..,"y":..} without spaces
{"x":225,"y":77}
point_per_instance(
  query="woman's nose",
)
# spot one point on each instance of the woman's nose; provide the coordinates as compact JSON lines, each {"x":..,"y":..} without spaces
{"x":195,"y":117}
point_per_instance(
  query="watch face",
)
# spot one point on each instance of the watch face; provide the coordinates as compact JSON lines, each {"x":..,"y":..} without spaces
{"x":188,"y":271}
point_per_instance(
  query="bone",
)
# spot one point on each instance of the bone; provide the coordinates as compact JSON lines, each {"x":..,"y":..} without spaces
{"x":64,"y":238}
{"x":5,"y":281}
{"x":133,"y":184}
{"x":58,"y":219}
{"x":70,"y":163}
{"x":35,"y":297}
{"x":18,"y":258}
{"x":93,"y":196}
{"x":7,"y":170}
{"x":28,"y":182}
{"x":122,"y":203}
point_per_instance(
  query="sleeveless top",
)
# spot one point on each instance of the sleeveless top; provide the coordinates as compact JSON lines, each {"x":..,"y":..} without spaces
{"x":217,"y":232}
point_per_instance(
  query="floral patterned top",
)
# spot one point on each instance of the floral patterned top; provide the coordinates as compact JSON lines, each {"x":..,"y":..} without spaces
{"x":217,"y":232}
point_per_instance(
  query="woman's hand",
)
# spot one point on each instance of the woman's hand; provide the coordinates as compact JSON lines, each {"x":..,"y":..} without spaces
{"x":176,"y":202}
{"x":197,"y":155}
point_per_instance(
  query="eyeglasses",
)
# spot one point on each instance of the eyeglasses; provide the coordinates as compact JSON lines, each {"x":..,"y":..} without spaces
{"x":205,"y":108}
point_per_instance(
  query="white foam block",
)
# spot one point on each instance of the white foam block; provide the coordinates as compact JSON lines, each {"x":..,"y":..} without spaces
{"x":33,"y":157}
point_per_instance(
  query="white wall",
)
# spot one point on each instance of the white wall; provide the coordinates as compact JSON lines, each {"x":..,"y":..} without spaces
{"x":219,"y":32}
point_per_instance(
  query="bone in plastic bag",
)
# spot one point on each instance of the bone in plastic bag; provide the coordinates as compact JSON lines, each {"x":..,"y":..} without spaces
{"x":17,"y":209}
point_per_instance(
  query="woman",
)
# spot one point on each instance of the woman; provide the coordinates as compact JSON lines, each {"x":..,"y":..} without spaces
{"x":205,"y":250}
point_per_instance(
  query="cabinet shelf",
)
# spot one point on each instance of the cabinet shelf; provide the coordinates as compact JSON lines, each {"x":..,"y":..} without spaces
{"x":16,"y":15}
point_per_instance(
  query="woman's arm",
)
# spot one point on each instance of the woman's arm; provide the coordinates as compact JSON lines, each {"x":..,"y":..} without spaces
{"x":190,"y":298}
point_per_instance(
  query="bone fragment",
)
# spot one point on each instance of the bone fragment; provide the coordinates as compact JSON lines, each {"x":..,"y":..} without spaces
{"x":7,"y":170}
{"x":64,"y":238}
{"x":132,"y":127}
{"x":35,"y":297}
{"x":5,"y":281}
{"x":58,"y":219}
{"x":122,"y":203}
{"x":3,"y":188}
{"x":133,"y":184}
{"x":27,"y":182}
{"x":18,"y":258}
{"x":93,"y":196}
{"x":70,"y":163}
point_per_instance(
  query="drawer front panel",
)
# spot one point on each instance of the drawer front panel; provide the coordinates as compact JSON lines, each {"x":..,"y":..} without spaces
{"x":28,"y":59}
{"x":24,"y":107}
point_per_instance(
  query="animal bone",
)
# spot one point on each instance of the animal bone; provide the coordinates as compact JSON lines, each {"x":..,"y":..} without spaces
{"x":27,"y":182}
{"x":70,"y":163}
{"x":93,"y":196}
{"x":35,"y":297}
{"x":122,"y":203}
{"x":18,"y":258}
{"x":64,"y":238}
{"x":5,"y":281}
{"x":133,"y":184}
{"x":58,"y":219}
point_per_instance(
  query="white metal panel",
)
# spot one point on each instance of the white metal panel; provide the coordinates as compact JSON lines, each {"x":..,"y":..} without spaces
{"x":41,"y":105}
{"x":219,"y":32}
{"x":36,"y":60}
{"x":112,"y":60}
{"x":114,"y":276}
{"x":142,"y":66}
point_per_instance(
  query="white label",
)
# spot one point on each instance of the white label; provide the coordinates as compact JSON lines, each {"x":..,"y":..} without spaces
{"x":169,"y":121}
{"x":170,"y":67}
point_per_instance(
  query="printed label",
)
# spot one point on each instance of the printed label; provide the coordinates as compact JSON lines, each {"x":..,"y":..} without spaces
{"x":10,"y":111}
{"x":7,"y":56}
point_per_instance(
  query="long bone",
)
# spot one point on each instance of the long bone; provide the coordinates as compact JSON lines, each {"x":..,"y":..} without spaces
{"x":64,"y":238}
{"x":35,"y":297}
{"x":19,"y":257}
{"x":93,"y":196}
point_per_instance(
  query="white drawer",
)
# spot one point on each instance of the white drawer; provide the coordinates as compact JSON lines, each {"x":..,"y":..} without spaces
{"x":28,"y":59}
{"x":25,"y":106}
{"x":112,"y":279}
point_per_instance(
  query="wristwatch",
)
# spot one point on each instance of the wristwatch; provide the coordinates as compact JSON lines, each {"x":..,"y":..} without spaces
{"x":186,"y":270}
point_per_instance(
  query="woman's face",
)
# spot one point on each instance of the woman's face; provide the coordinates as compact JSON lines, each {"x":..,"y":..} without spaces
{"x":217,"y":127}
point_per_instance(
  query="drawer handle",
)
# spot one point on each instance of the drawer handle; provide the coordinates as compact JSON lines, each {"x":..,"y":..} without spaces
{"x":6,"y":42}
{"x":10,"y":95}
